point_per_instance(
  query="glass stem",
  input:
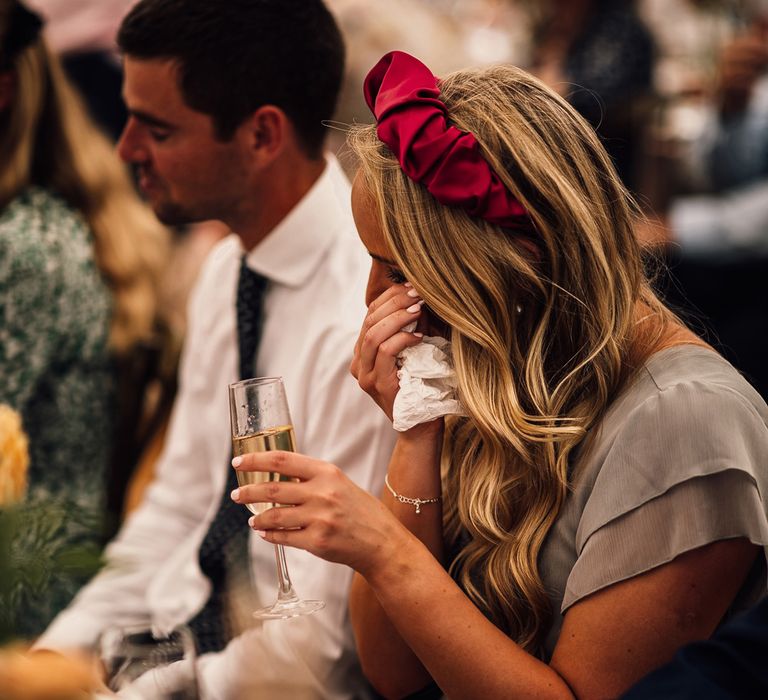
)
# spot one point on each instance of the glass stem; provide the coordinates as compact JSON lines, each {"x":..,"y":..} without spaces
{"x":285,"y":588}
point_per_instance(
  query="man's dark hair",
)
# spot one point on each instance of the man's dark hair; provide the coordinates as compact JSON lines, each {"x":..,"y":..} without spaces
{"x":236,"y":55}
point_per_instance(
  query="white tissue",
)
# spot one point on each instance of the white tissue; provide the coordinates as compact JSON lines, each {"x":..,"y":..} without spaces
{"x":427,"y":384}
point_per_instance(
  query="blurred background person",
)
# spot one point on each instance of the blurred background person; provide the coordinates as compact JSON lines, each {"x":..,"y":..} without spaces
{"x":80,"y":259}
{"x":82,"y":34}
{"x":598,"y":54}
{"x":709,"y":156}
{"x":714,"y":126}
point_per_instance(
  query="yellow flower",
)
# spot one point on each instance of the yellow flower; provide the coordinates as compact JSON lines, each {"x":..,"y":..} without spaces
{"x":14,"y":456}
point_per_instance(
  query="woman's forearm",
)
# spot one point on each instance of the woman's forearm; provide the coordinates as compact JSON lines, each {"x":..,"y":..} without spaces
{"x":387,"y":661}
{"x":451,"y":640}
{"x":412,"y":622}
{"x":414,"y":472}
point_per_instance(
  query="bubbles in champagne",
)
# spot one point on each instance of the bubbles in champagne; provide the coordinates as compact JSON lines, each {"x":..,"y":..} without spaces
{"x":281,"y":438}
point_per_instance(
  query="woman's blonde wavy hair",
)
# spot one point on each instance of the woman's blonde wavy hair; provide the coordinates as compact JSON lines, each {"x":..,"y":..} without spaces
{"x":542,"y":342}
{"x":47,"y":139}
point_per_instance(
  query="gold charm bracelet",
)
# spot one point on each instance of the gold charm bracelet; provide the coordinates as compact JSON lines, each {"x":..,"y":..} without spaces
{"x":418,"y":502}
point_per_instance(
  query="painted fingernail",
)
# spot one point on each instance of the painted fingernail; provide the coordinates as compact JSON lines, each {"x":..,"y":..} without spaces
{"x":261,"y":533}
{"x":415,"y":307}
{"x":251,"y":521}
{"x":237,"y":461}
{"x":235,"y":494}
{"x":418,"y":335}
{"x":412,"y":293}
{"x":407,"y":284}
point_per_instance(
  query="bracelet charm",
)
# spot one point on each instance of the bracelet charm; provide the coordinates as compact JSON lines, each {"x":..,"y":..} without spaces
{"x":418,"y":502}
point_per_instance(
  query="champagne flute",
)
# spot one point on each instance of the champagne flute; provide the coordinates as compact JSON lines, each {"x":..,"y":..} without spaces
{"x":261,"y":422}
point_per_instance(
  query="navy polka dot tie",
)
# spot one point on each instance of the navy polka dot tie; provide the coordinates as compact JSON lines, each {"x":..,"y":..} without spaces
{"x":224,"y":550}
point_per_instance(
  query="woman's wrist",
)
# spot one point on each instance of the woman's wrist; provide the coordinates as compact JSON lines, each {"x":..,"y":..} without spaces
{"x":397,"y":559}
{"x":418,"y":450}
{"x":430,"y":431}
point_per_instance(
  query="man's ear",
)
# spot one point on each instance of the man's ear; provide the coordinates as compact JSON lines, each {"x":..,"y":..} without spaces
{"x":266,"y":132}
{"x":7,"y":89}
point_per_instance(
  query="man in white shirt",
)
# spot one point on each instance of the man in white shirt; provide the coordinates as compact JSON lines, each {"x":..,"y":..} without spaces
{"x":226,"y":101}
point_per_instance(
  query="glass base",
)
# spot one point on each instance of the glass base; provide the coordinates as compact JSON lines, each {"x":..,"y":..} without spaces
{"x":282,"y":610}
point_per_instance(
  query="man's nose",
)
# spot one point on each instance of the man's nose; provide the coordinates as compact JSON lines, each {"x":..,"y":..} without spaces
{"x":129,"y":146}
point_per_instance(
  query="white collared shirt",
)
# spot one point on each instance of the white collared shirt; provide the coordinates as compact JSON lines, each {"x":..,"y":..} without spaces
{"x":313,"y":309}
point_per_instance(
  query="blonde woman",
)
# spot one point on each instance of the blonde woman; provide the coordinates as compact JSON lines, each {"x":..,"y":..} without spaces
{"x":602,"y":499}
{"x":79,"y":260}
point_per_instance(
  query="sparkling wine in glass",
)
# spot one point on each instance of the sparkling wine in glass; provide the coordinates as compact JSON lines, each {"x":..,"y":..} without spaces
{"x":261,"y":422}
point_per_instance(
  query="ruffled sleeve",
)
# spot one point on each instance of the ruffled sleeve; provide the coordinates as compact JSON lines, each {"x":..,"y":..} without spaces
{"x":688,"y":466}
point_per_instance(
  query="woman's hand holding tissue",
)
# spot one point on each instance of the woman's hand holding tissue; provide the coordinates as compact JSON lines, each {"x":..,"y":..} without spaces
{"x":409,"y":375}
{"x":382,"y":339}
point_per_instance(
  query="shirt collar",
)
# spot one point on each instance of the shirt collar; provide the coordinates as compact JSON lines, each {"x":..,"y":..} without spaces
{"x":295,"y":247}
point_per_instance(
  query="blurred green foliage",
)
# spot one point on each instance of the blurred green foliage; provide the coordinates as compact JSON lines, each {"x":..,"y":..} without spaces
{"x":46,"y":552}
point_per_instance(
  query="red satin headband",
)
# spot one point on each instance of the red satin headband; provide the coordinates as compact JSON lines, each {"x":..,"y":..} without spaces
{"x":403,"y":95}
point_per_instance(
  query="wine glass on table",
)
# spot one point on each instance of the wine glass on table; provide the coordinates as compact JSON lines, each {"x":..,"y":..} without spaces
{"x":261,"y":422}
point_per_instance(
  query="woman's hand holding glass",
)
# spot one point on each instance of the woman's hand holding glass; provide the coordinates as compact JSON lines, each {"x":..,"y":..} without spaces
{"x":382,"y":339}
{"x":331,"y":516}
{"x":261,"y":422}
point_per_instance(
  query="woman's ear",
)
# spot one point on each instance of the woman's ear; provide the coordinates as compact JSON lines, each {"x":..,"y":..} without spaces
{"x":7,"y":89}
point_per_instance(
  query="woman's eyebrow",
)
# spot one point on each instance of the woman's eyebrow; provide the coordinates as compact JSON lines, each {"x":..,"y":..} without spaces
{"x":380,"y":259}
